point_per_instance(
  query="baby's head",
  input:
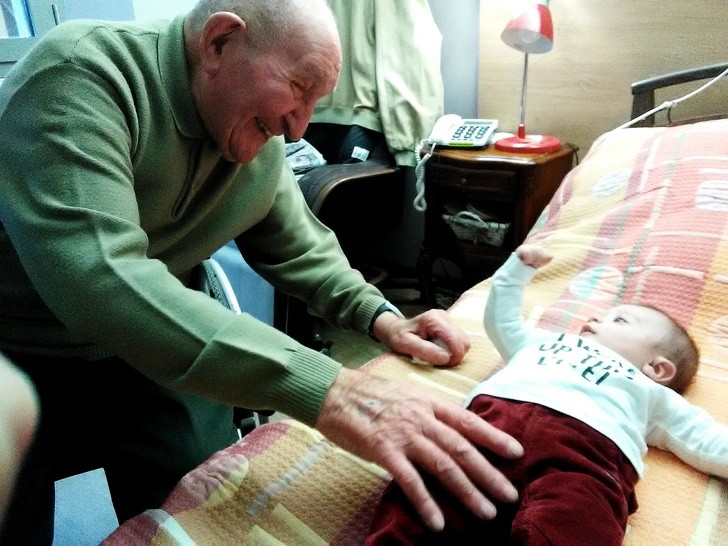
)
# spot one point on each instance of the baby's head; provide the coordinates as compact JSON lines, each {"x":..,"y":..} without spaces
{"x":651,"y":340}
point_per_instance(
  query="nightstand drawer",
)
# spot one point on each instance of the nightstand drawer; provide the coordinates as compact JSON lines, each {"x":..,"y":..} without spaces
{"x":479,"y":183}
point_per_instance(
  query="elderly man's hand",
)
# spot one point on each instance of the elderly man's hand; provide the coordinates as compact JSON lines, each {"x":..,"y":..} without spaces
{"x":407,"y":430}
{"x":431,"y":337}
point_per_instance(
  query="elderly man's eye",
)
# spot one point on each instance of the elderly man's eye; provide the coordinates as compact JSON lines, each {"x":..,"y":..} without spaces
{"x":298,"y":89}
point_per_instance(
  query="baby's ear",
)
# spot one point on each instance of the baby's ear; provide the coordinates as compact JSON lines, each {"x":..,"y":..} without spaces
{"x":661,"y":370}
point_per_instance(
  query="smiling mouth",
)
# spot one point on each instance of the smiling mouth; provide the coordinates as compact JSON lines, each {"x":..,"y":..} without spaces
{"x":263,"y":128}
{"x":586,"y":330}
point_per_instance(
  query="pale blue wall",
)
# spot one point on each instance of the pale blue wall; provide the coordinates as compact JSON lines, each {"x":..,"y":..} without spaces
{"x":160,"y":9}
{"x":124,"y":10}
{"x":459,"y":24}
{"x":116,"y":10}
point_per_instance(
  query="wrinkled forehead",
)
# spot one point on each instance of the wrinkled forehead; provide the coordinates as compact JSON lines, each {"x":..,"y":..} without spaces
{"x":318,"y":63}
{"x":317,"y":47}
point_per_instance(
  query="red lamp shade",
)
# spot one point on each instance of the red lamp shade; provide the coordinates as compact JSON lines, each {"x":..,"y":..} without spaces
{"x":531,"y":31}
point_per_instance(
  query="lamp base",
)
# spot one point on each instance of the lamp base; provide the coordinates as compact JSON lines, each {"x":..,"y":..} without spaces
{"x":529,"y":144}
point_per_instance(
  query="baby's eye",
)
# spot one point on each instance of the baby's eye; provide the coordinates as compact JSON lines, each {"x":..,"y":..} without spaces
{"x":620,"y":319}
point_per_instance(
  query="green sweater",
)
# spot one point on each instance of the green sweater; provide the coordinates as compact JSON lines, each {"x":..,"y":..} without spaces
{"x":390,"y":75}
{"x":111,"y":192}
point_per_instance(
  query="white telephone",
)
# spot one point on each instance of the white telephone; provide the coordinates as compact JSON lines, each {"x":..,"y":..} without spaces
{"x":453,"y":131}
{"x":450,"y":131}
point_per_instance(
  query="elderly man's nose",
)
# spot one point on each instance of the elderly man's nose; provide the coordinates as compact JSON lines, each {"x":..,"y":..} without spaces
{"x":297,"y":121}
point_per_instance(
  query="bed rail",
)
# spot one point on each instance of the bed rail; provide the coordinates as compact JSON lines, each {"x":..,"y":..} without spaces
{"x":643,"y":92}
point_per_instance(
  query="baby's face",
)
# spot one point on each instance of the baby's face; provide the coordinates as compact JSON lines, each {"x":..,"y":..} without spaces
{"x":632,"y":331}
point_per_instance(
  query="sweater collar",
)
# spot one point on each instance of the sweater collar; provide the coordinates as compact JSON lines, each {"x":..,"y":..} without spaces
{"x":176,"y":80}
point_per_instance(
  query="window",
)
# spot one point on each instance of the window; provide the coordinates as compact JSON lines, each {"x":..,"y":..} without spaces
{"x":22,"y":22}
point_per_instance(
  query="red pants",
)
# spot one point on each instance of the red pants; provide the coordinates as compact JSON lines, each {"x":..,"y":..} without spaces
{"x":575,"y":486}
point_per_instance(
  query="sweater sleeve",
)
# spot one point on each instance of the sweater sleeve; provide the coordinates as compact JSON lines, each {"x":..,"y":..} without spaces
{"x":502,"y":319}
{"x":303,"y":259}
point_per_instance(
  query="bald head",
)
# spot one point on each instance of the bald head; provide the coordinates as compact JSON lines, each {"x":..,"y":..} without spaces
{"x":271,"y":23}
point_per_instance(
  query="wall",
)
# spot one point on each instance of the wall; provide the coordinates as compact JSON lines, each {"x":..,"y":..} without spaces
{"x":581,"y":88}
{"x":116,"y":10}
{"x":460,"y":42}
{"x":160,"y":9}
{"x":121,"y":10}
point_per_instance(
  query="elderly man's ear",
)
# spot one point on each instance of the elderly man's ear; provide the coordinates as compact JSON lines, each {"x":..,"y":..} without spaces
{"x":220,"y":29}
{"x":661,"y":370}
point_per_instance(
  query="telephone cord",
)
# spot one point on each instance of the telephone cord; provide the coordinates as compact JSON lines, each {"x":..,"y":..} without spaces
{"x":419,"y":202}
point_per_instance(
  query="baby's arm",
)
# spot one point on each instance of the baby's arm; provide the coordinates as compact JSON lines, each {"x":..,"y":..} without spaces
{"x":502,"y":318}
{"x":533,"y":255}
{"x":691,"y":433}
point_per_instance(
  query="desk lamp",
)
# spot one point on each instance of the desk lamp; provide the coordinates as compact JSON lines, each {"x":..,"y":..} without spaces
{"x":530,"y":32}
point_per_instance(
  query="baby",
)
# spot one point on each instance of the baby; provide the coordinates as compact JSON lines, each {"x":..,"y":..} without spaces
{"x":585,"y":406}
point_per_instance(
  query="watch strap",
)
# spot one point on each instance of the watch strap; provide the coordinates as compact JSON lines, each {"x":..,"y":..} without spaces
{"x":386,"y":307}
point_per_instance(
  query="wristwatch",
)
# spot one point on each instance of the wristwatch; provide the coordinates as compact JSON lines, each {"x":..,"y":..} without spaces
{"x":386,"y":307}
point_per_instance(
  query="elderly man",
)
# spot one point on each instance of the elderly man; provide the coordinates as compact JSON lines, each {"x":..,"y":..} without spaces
{"x":131,"y":151}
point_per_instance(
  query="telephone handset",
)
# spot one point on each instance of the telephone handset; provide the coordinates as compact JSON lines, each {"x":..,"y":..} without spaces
{"x":453,"y":131}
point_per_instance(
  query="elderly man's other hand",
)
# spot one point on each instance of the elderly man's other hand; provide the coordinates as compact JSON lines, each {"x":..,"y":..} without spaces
{"x":430,"y":337}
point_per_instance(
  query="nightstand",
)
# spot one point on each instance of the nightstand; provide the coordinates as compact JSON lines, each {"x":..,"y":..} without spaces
{"x":502,"y":194}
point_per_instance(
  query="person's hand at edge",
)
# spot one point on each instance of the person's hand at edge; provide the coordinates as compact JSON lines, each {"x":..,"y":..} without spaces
{"x":19,"y":414}
{"x":431,"y":336}
{"x":407,"y":430}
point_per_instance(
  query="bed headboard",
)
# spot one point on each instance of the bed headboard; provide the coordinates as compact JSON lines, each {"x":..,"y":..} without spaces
{"x":643,"y":91}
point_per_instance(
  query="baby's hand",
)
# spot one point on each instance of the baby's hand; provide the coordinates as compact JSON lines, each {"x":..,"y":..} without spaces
{"x":533,"y":255}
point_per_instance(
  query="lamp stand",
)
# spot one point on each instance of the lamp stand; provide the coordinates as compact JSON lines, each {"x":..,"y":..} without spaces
{"x":523,"y":143}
